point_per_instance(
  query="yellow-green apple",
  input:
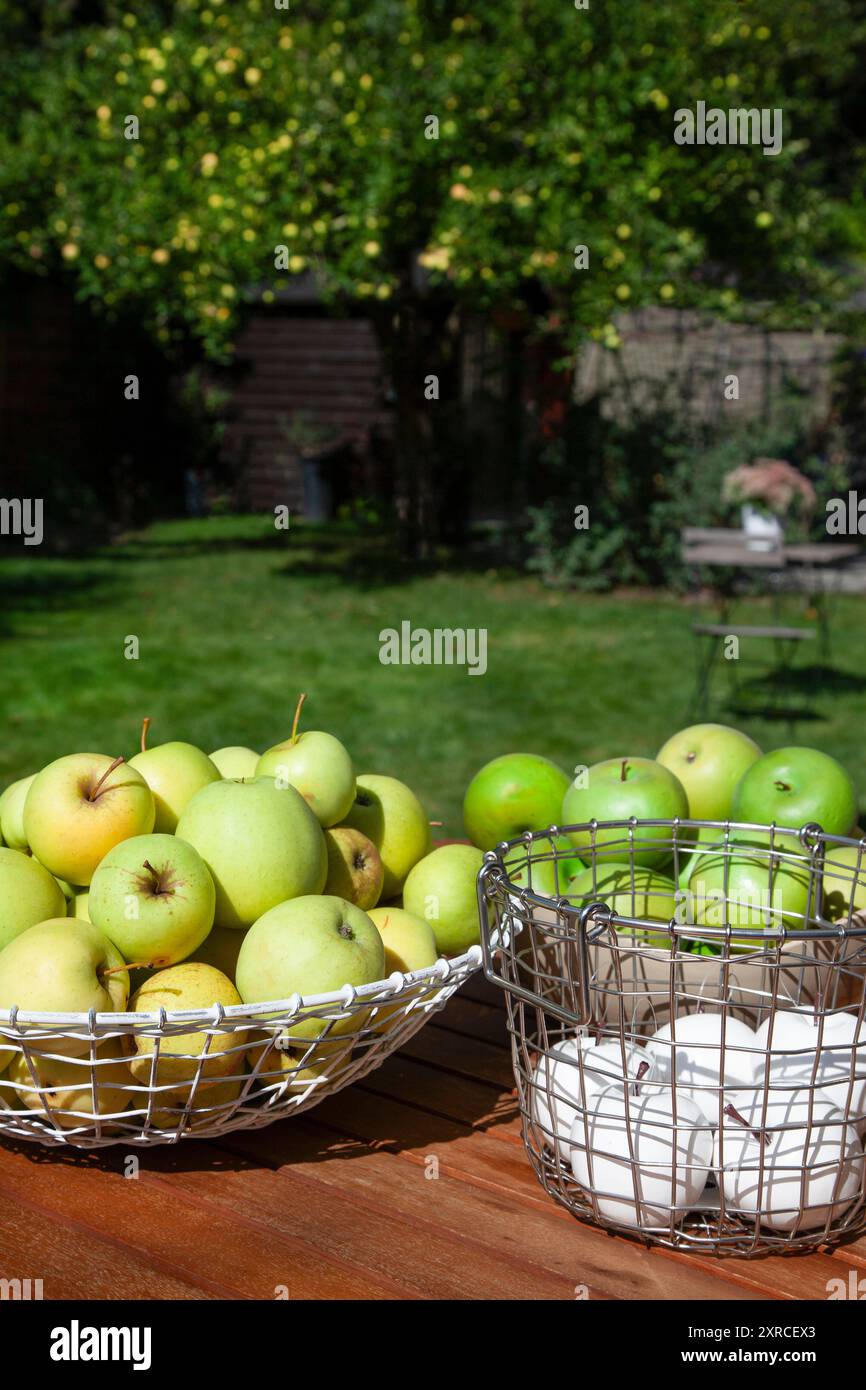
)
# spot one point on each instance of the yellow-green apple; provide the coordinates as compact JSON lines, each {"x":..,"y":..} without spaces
{"x":618,"y":789}
{"x":12,"y":813}
{"x":80,"y":807}
{"x":28,"y":894}
{"x":316,"y":764}
{"x":442,"y":890}
{"x":844,"y":881}
{"x":390,"y":814}
{"x":174,"y":772}
{"x":355,"y":868}
{"x":62,"y":966}
{"x":81,"y":906}
{"x":154,"y":897}
{"x":62,"y":1085}
{"x":212,"y":1102}
{"x":709,"y":760}
{"x":68,"y":890}
{"x":408,"y":940}
{"x":220,"y":949}
{"x":756,"y":892}
{"x":187,"y":986}
{"x":510,"y":795}
{"x":262,"y":845}
{"x":643,"y":893}
{"x":311,"y":945}
{"x":796,"y":786}
{"x":235,"y":762}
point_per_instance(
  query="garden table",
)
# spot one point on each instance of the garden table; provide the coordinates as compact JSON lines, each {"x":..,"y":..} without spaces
{"x":412,"y":1184}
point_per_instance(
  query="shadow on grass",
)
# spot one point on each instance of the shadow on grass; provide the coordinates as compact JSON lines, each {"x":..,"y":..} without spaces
{"x":51,"y":586}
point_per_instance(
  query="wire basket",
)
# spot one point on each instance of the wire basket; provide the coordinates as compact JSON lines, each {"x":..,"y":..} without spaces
{"x":89,"y":1080}
{"x":687,"y":1027}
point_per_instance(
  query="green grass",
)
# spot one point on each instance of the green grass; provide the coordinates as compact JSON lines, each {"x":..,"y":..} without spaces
{"x":233,"y":620}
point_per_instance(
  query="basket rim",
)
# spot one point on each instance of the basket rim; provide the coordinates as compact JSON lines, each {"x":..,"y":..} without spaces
{"x":495,"y":866}
{"x":443,"y":970}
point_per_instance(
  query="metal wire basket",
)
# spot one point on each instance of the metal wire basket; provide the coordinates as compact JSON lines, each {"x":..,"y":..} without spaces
{"x":687,"y":1027}
{"x":89,"y":1080}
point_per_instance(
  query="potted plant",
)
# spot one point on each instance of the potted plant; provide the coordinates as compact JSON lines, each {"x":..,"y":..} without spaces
{"x":767,"y":490}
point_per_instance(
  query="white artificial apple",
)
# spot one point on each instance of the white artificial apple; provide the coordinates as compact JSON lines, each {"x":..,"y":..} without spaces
{"x":643,"y":1168}
{"x":182,"y":1056}
{"x":794,"y":1165}
{"x":28,"y":894}
{"x":74,"y":1090}
{"x":62,"y":966}
{"x":80,"y":807}
{"x":311,"y":945}
{"x":709,"y":760}
{"x":796,"y":1057}
{"x":12,"y":813}
{"x":262,"y":844}
{"x":316,"y":764}
{"x":572,"y":1072}
{"x":174,"y":772}
{"x":235,"y":762}
{"x":390,"y":814}
{"x":690,"y":1051}
{"x":442,"y":889}
{"x":154,"y":897}
{"x":355,"y":868}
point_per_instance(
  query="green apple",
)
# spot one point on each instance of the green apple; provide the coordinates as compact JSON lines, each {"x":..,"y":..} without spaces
{"x":67,"y":889}
{"x":796,"y":786}
{"x":187,"y":986}
{"x":235,"y":762}
{"x":81,"y":906}
{"x":80,"y":807}
{"x":709,"y":760}
{"x":154,"y":897}
{"x":390,"y":815}
{"x":510,"y":795}
{"x":12,"y":813}
{"x":174,"y":772}
{"x":62,"y":966}
{"x":409,"y":941}
{"x":844,"y":881}
{"x":643,"y":893}
{"x":442,"y":890}
{"x":548,"y":877}
{"x":28,"y":894}
{"x":744,"y":890}
{"x":311,"y":945}
{"x":355,"y":868}
{"x":616,"y":790}
{"x":220,"y":949}
{"x":690,"y":844}
{"x":64,"y":1084}
{"x":261,"y":842}
{"x":319,"y":767}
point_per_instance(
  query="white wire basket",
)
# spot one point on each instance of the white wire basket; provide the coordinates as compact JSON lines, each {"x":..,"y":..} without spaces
{"x":90,"y":1080}
{"x":690,"y":1065}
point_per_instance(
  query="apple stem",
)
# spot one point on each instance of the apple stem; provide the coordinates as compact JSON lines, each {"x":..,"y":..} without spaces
{"x":145,"y":725}
{"x":819,"y":1006}
{"x":133,"y":965}
{"x":297,"y":718}
{"x":622,"y":770}
{"x":639,"y":1076}
{"x":107,"y":773}
{"x":434,"y":822}
{"x":735,"y":1115}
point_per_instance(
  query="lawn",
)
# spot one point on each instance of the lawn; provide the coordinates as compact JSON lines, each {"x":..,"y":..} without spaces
{"x":233,"y":619}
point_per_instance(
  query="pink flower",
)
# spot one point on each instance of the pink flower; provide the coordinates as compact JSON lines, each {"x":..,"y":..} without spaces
{"x":774,"y":482}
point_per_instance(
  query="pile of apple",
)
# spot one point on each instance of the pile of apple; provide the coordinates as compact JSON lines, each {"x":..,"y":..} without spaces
{"x":211,"y":880}
{"x":706,"y":772}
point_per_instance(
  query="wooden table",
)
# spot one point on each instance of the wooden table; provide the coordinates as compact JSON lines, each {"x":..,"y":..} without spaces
{"x":345,"y":1203}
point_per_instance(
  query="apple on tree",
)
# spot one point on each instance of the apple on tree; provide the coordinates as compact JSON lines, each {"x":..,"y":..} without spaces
{"x":154,"y":897}
{"x":80,"y":807}
{"x":616,"y":790}
{"x":174,"y":772}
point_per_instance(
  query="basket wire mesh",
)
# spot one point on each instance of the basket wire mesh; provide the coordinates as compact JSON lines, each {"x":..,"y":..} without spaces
{"x":91,"y":1080}
{"x":687,"y":1026}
